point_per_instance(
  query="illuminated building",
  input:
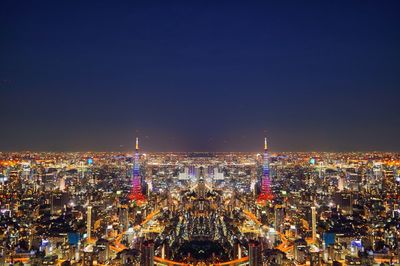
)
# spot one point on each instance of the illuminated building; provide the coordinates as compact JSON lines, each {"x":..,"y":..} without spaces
{"x":148,"y":253}
{"x":58,"y":201}
{"x":123,"y":217}
{"x":136,"y":194}
{"x":300,"y":251}
{"x":314,"y":223}
{"x":266,"y":193}
{"x":102,"y":250}
{"x":89,"y":222}
{"x":315,"y":258}
{"x":279,"y":217}
{"x":255,"y":258}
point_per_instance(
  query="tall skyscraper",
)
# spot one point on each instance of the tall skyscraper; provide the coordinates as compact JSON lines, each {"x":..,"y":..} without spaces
{"x":89,"y":222}
{"x":279,"y":217}
{"x":136,"y":190}
{"x":148,"y":253}
{"x":314,"y":223}
{"x":255,"y":255}
{"x":266,"y":193}
{"x":123,"y":217}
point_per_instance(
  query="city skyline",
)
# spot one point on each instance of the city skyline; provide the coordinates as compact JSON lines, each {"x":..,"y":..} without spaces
{"x":200,"y":133}
{"x":201,"y":209}
{"x":200,"y":76}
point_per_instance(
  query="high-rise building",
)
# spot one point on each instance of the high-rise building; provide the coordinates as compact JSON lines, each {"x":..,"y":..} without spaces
{"x":237,"y":251}
{"x":314,"y":223}
{"x":279,"y":217}
{"x":315,"y":258}
{"x":255,"y":256}
{"x":148,"y":253}
{"x":58,"y":201}
{"x":123,"y":217}
{"x":136,"y":190}
{"x":300,"y":251}
{"x":102,"y":250}
{"x":89,"y":222}
{"x":266,"y":193}
{"x":344,"y":201}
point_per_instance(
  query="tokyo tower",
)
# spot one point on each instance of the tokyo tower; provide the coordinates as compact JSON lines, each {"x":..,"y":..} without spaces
{"x":266,"y":193}
{"x":136,"y":190}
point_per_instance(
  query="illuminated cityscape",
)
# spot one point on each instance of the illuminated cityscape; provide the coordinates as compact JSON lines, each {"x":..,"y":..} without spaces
{"x":200,"y":208}
{"x":200,"y":133}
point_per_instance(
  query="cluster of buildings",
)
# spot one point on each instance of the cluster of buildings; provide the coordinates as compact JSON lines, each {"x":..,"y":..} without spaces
{"x":199,"y":208}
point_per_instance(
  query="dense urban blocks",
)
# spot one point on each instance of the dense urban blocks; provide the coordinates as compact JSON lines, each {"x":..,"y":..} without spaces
{"x":199,"y":208}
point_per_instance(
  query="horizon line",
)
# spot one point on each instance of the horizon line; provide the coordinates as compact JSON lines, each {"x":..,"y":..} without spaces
{"x":152,"y":151}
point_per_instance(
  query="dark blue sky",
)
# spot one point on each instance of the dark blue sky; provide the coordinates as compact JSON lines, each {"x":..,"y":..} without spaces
{"x":194,"y":75}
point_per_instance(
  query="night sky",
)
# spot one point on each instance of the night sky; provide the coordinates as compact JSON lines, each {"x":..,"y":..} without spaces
{"x":200,"y":76}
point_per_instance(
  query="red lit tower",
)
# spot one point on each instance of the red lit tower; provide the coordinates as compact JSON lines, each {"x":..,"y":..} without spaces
{"x":136,"y":190}
{"x":266,"y":193}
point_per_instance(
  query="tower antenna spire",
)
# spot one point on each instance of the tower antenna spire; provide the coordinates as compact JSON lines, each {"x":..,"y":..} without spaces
{"x":266,"y":191}
{"x":136,"y":190}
